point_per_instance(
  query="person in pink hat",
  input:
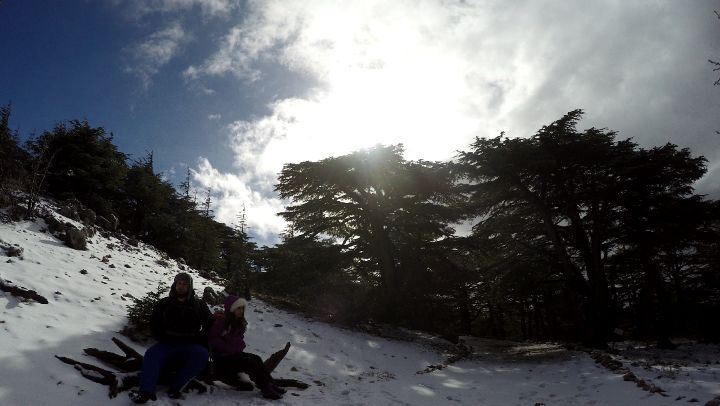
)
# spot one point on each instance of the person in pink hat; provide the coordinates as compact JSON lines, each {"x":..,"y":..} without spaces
{"x":227,"y":345}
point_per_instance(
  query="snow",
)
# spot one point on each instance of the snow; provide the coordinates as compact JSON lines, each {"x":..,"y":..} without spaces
{"x":342,"y":367}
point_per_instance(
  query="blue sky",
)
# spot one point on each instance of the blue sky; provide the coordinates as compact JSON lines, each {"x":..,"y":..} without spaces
{"x":235,"y":89}
{"x":76,"y":59}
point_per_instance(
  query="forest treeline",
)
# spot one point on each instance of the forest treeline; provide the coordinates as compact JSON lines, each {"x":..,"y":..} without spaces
{"x":77,"y":162}
{"x":567,"y":234}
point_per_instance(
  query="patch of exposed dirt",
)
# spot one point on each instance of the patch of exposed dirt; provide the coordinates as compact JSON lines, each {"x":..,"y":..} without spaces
{"x":514,"y":351}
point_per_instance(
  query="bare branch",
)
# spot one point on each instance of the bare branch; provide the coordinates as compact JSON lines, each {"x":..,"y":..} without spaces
{"x":717,"y":68}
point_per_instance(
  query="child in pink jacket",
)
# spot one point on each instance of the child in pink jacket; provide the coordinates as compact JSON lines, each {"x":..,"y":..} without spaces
{"x":227,"y":345}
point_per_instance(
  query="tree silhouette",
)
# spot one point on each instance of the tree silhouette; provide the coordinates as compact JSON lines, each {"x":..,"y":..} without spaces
{"x":377,"y":205}
{"x":86,"y":165}
{"x":579,"y":195}
{"x":13,"y":172}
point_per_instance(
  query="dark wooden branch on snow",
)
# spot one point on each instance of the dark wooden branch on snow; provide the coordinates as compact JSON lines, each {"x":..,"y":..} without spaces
{"x":95,"y":374}
{"x":129,"y":351}
{"x":272,"y":362}
{"x":22,"y":292}
{"x":131,"y":363}
{"x":120,"y":362}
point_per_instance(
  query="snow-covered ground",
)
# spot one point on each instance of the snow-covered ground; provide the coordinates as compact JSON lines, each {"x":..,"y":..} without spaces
{"x":342,"y":367}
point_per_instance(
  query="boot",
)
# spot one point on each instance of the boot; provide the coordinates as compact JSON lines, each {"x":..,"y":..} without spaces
{"x":141,"y":397}
{"x":244,"y":386}
{"x":269,"y":393}
{"x":278,"y":389}
{"x":174,"y":394}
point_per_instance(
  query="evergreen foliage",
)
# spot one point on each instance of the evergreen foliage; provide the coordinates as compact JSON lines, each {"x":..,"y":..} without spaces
{"x":139,"y":313}
{"x":316,"y":274}
{"x":386,"y":212}
{"x":85,"y":164}
{"x":581,"y":201}
{"x":574,"y":233}
{"x":13,"y":160}
{"x":237,"y":257}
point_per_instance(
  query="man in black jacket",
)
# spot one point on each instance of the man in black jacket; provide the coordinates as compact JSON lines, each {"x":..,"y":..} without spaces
{"x":180,"y":324}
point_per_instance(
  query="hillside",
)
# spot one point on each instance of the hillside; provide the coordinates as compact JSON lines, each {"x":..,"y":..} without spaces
{"x":87,"y":306}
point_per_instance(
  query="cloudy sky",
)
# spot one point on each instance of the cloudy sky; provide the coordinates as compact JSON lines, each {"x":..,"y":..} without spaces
{"x":235,"y":89}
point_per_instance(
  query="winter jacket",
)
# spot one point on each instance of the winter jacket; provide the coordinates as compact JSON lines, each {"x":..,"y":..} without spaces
{"x":181,"y":322}
{"x":226,"y":341}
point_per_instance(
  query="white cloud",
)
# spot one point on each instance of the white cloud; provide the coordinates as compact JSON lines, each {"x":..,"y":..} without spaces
{"x":168,"y":174}
{"x":710,"y":184}
{"x":232,"y":193}
{"x":228,"y":60}
{"x":433,"y":74}
{"x":156,"y":51}
{"x":213,"y":8}
{"x":214,"y":117}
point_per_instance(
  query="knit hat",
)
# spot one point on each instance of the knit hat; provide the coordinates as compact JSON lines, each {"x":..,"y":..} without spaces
{"x":184,"y":276}
{"x":240,"y":302}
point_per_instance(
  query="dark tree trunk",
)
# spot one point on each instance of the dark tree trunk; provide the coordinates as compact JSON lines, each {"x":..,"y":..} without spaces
{"x":465,"y":310}
{"x":523,"y":322}
{"x":657,"y":307}
{"x":382,"y":246}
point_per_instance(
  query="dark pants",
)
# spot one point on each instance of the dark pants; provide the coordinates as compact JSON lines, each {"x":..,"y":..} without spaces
{"x":250,"y":364}
{"x":190,"y":360}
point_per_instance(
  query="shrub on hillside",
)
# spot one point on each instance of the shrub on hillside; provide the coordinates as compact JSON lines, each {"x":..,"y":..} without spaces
{"x":140,"y":312}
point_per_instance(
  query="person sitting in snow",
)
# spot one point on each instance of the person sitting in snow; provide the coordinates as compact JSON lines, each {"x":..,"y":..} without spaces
{"x":180,"y":324}
{"x":227,"y":345}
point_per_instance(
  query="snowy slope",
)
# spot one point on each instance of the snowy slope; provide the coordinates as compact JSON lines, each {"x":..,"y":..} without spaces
{"x":342,"y":367}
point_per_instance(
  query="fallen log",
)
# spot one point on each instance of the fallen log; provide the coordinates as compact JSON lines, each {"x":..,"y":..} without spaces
{"x":290,"y":383}
{"x":122,"y":363}
{"x":18,"y":291}
{"x":130,"y":362}
{"x":95,"y":374}
{"x":129,"y":351}
{"x":129,"y":365}
{"x":272,"y":362}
